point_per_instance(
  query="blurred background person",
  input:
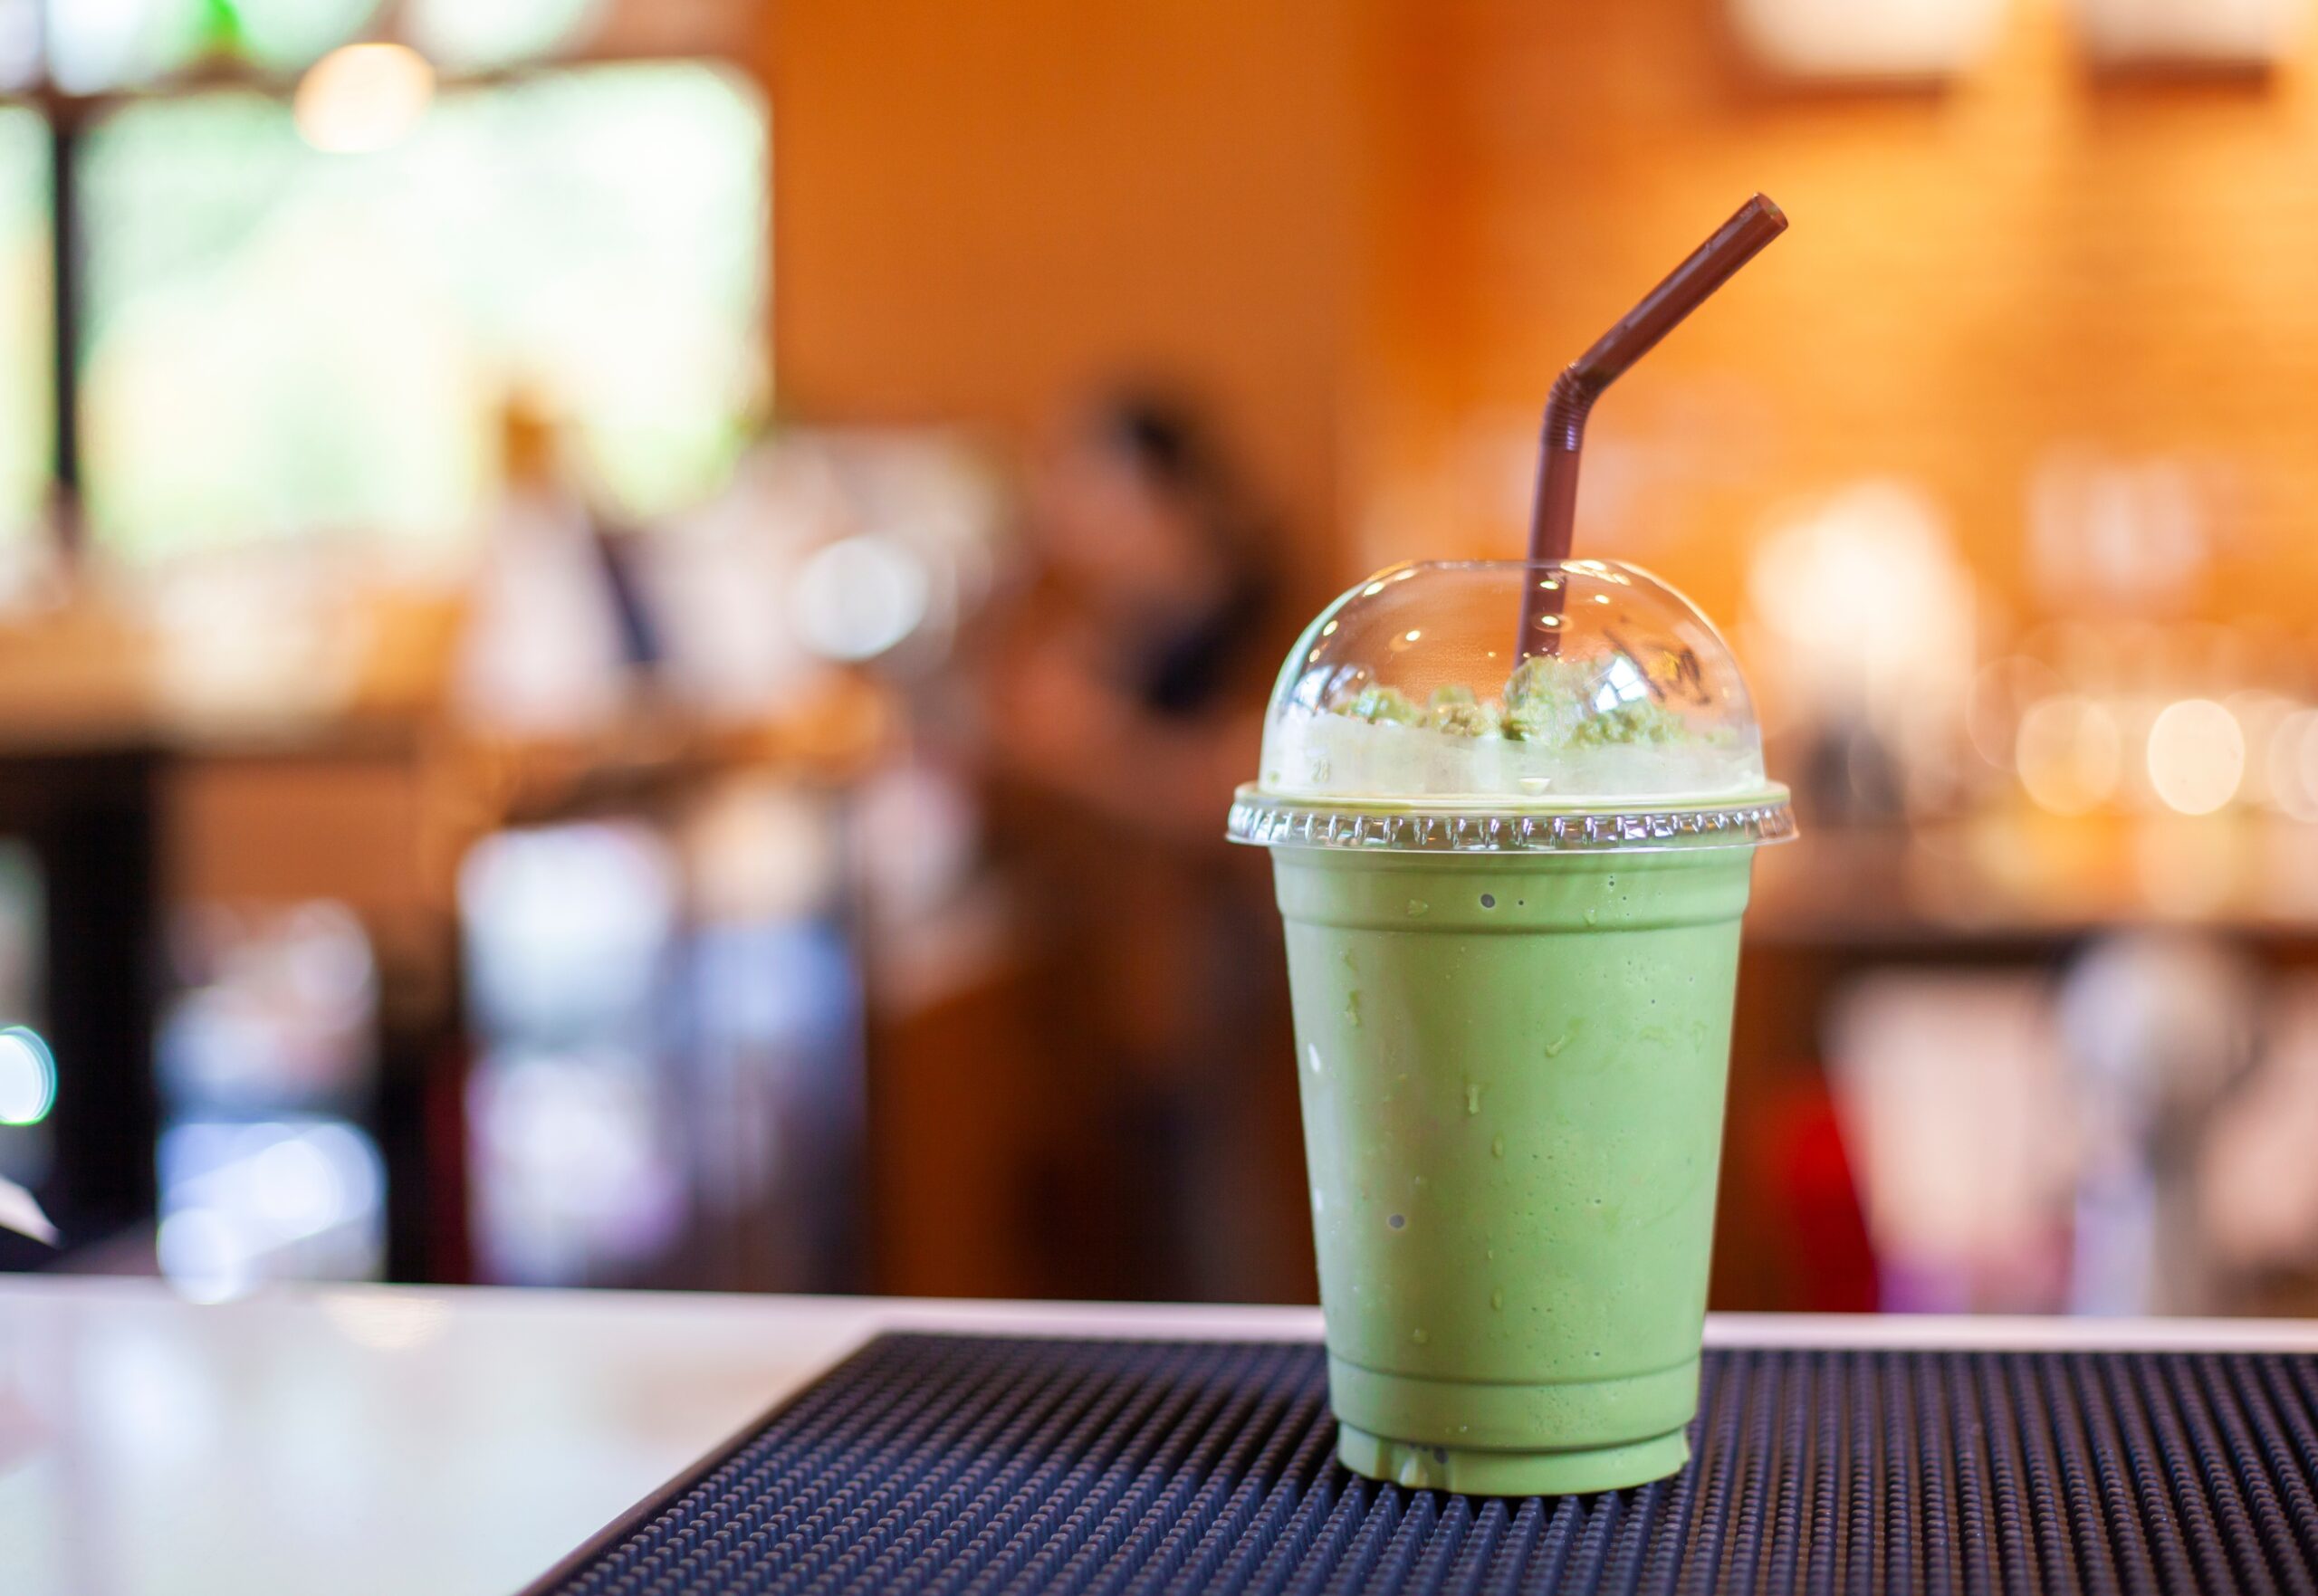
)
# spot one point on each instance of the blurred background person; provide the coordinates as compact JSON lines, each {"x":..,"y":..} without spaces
{"x":1124,"y":703}
{"x":544,"y":652}
{"x":1131,"y":676}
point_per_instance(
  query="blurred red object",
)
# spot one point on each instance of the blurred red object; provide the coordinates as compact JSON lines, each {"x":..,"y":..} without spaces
{"x":1809,"y":1194}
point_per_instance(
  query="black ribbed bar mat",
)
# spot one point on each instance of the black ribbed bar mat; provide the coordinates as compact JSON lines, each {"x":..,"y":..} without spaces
{"x":960,"y":1464}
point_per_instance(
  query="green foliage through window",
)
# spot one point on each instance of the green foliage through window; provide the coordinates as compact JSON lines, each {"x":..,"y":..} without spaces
{"x":281,"y":340}
{"x":26,"y":436}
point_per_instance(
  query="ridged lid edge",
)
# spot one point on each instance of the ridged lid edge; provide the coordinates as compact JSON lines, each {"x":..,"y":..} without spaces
{"x":1262,"y":820}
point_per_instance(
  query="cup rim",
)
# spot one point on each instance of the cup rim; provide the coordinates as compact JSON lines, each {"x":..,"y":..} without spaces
{"x":1764,"y":818}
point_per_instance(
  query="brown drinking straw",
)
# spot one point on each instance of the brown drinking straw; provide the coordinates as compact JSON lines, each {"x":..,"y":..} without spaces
{"x":1714,"y":263}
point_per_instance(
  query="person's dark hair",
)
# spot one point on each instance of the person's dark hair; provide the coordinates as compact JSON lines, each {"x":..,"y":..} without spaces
{"x":1172,"y":445}
{"x":1163,"y":435}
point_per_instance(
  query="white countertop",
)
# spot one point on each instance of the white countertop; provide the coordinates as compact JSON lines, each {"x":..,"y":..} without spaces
{"x":448,"y":1442}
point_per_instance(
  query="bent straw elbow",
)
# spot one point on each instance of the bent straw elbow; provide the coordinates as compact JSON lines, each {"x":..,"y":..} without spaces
{"x":1567,"y":404}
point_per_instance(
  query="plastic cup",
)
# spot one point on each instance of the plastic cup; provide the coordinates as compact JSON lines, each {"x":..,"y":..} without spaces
{"x":1513,"y":937}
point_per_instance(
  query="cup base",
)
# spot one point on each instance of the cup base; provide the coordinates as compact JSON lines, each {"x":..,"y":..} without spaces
{"x":1477,"y":1472}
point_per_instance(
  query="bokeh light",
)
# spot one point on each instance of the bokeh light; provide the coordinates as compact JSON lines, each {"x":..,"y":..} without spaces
{"x":98,"y":45}
{"x":2293,"y":761}
{"x":2196,"y":756}
{"x":363,"y":98}
{"x":27,"y":1078}
{"x":482,"y":34}
{"x":246,"y":1202}
{"x":285,"y":35}
{"x":859,"y":596}
{"x":2069,"y":753}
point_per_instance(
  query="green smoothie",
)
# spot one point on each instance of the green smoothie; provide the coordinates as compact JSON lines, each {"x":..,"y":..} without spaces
{"x":1512,"y":1068}
{"x":1512,"y":889}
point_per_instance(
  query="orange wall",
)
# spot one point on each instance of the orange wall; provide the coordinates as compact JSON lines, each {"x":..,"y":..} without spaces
{"x":2029,"y":258}
{"x":981,"y":208}
{"x":1373,"y":230}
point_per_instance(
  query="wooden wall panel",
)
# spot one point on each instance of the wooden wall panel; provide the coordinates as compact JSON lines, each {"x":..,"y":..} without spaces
{"x":2032,"y":257}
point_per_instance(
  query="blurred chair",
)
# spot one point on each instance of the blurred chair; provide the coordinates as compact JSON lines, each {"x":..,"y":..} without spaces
{"x":1954,"y":1096}
{"x":2161,"y":1029}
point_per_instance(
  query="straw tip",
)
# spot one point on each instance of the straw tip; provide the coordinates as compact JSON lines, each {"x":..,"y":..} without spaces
{"x":1764,"y":205}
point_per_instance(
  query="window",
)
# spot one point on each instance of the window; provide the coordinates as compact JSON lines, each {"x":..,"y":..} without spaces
{"x":280,"y":339}
{"x":304,"y":313}
{"x":26,"y":436}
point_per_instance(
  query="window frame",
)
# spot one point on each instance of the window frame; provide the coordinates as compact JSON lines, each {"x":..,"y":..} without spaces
{"x":718,"y":31}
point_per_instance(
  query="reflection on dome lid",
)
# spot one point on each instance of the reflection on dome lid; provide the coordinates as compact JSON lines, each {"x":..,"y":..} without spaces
{"x":1407,"y":689}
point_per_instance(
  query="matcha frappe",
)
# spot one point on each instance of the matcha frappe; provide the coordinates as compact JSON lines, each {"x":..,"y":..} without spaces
{"x":1512,"y":896}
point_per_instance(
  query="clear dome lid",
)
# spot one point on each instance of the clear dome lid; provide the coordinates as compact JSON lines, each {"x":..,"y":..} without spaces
{"x":1403,"y":718}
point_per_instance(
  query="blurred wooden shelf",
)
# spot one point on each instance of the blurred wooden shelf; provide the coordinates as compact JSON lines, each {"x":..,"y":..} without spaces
{"x":828,"y":738}
{"x":86,"y":678}
{"x":2030,"y":879}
